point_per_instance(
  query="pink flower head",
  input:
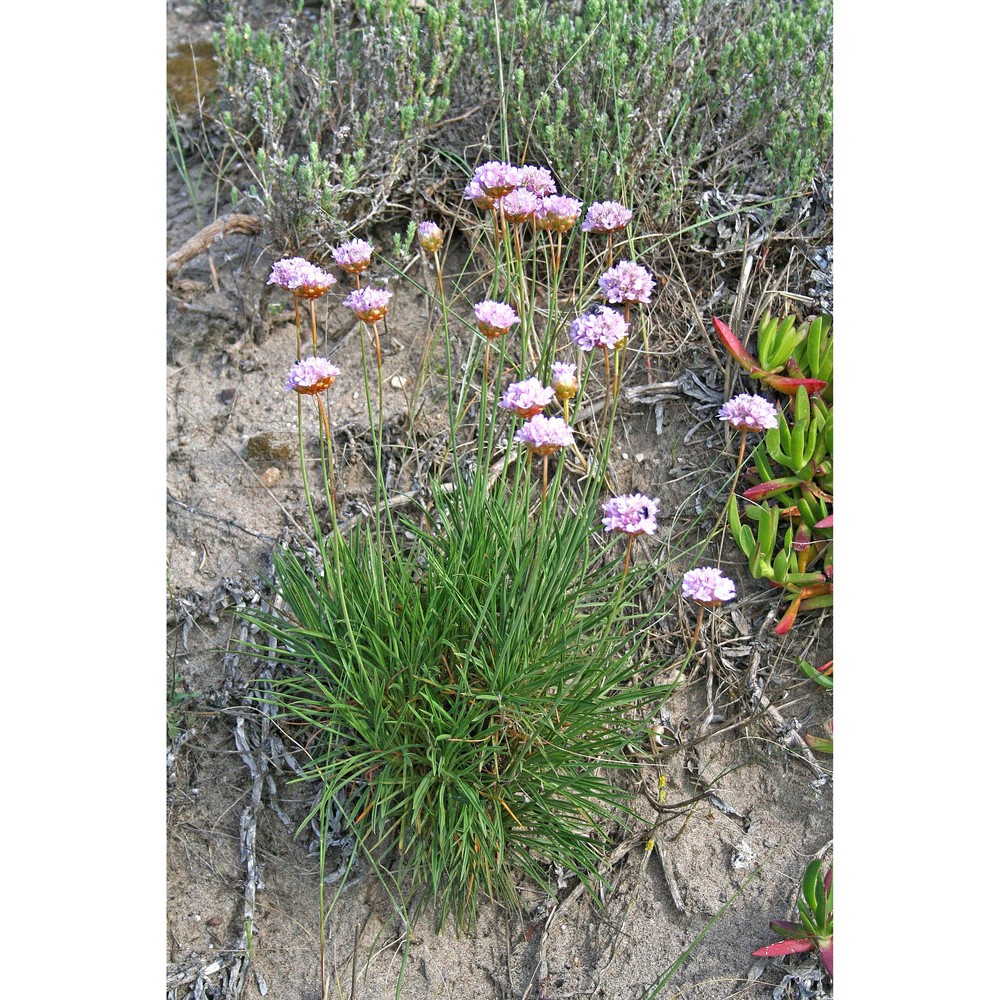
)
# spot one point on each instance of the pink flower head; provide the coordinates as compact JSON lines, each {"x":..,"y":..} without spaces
{"x":528,"y":397}
{"x":558,"y":213}
{"x":496,"y":178}
{"x":564,"y":380}
{"x":544,"y":435}
{"x":300,"y":277}
{"x":707,"y":586}
{"x":749,"y":413}
{"x":369,"y":304}
{"x":601,"y":327}
{"x":495,"y":318}
{"x":311,"y":375}
{"x":474,"y":193}
{"x":520,"y":205}
{"x":627,"y":282}
{"x":606,"y":217}
{"x":354,"y":256}
{"x":537,"y":180}
{"x":634,"y":514}
{"x":430,"y":237}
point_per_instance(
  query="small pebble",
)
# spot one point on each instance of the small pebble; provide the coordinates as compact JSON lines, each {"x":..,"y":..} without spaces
{"x":269,"y":477}
{"x":227,"y":396}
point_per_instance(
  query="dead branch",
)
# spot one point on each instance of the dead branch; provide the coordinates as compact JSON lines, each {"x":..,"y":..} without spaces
{"x":248,"y":225}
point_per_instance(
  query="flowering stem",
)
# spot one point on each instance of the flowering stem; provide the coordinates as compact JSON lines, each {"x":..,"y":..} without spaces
{"x":628,"y":554}
{"x":429,"y":341}
{"x":378,"y":348}
{"x":325,"y":423}
{"x":697,"y":628}
{"x":437,"y":268}
{"x":522,"y":290}
{"x":312,"y":314}
{"x":610,"y":254}
{"x":739,"y":461}
{"x":607,"y":391}
{"x":545,"y":475}
{"x":736,"y":479}
{"x":298,"y":329}
{"x":305,"y":475}
{"x":615,"y":392}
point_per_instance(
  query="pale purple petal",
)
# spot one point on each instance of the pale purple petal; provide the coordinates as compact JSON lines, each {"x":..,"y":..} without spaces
{"x":537,"y":180}
{"x":353,"y":256}
{"x":606,"y":217}
{"x":527,"y":397}
{"x":628,"y":282}
{"x":633,"y":514}
{"x":749,"y":413}
{"x":310,"y":375}
{"x":520,"y":205}
{"x":495,"y":318}
{"x":430,"y":236}
{"x":496,"y":178}
{"x":558,"y":213}
{"x":707,"y":585}
{"x":600,"y":327}
{"x":545,"y":434}
{"x":294,"y":273}
{"x":368,"y":303}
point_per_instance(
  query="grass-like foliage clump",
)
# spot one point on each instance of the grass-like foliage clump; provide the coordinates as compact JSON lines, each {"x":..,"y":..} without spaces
{"x":472,"y":685}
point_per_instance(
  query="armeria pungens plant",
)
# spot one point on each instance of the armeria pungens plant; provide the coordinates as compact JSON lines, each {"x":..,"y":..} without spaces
{"x":466,"y":674}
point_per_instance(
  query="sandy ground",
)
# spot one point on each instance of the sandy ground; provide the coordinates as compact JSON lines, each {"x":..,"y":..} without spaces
{"x":234,"y":492}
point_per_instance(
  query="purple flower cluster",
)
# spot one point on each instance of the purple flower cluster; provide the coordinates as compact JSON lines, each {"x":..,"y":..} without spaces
{"x":474,"y":193}
{"x":353,"y":256}
{"x":430,"y":236}
{"x":311,"y":375}
{"x":749,"y":413}
{"x":633,"y":514}
{"x":524,"y":193}
{"x":558,"y":213}
{"x":494,"y":318}
{"x":297,"y":275}
{"x":369,"y":304}
{"x":544,"y":435}
{"x":537,"y":180}
{"x":528,"y":397}
{"x":606,"y":217}
{"x":564,"y":380}
{"x":602,"y":327}
{"x":627,"y":282}
{"x":520,"y":205}
{"x":707,"y":586}
{"x":495,"y":178}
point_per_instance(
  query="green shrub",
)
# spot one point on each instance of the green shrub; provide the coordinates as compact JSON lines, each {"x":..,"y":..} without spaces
{"x":631,"y":98}
{"x":327,"y":121}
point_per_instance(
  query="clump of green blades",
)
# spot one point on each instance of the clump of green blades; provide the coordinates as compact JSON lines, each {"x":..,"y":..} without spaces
{"x":798,"y":362}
